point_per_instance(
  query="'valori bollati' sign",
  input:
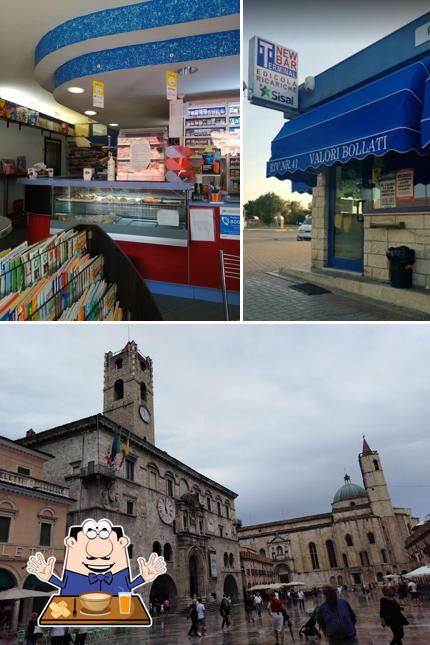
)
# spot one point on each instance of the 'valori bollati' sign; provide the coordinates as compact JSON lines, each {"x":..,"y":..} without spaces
{"x":328,"y":156}
{"x":23,"y":552}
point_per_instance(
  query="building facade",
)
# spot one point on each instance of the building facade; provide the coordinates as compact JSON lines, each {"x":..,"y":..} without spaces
{"x":360,"y":145}
{"x":33,"y":517}
{"x":359,"y":541}
{"x":257,"y":569}
{"x":164,"y":505}
{"x":418,"y":544}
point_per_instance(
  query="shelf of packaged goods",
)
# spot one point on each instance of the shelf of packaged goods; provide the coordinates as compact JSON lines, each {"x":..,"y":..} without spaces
{"x":202,"y":118}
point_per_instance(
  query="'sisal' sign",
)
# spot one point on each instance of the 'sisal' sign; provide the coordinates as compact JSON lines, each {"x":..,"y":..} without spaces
{"x":273,"y":76}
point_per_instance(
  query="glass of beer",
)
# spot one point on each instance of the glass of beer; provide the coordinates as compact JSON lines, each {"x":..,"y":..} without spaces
{"x":124,"y":599}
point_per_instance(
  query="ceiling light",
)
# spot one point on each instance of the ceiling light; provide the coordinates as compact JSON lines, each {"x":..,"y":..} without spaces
{"x":76,"y":90}
{"x":90,"y":113}
{"x":114,"y":125}
{"x":187,"y":70}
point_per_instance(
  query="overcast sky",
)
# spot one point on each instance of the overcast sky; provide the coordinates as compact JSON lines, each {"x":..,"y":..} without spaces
{"x":323,"y":34}
{"x":276,"y":413}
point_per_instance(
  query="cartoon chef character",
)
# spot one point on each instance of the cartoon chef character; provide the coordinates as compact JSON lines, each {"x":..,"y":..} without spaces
{"x":96,"y":559}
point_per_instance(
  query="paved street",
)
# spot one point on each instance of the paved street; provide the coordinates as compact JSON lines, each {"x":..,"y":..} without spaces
{"x":267,"y":297}
{"x":173,"y":629}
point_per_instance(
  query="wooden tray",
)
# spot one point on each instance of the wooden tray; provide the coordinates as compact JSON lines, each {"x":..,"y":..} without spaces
{"x":111,"y":616}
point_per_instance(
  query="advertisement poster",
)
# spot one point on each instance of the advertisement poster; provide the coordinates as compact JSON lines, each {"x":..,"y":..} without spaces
{"x":405,"y":184}
{"x":229,"y":223}
{"x":98,"y":94}
{"x":273,"y":76}
{"x":212,"y":565}
{"x":171,"y":86}
{"x":388,"y":193}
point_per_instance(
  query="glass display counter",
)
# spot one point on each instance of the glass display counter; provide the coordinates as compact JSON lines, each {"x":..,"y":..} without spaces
{"x":124,"y":213}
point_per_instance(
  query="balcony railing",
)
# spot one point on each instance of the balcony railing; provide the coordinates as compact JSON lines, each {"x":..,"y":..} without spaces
{"x":31,"y":482}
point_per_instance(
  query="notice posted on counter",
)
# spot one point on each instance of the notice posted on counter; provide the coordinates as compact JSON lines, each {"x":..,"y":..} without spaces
{"x":405,"y":184}
{"x":388,"y":193}
{"x":202,"y":226}
{"x":229,"y":223}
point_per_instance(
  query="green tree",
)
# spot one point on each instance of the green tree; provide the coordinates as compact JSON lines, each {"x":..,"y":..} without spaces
{"x":266,"y":206}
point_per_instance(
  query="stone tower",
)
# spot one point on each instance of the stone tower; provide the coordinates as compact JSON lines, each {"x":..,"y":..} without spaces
{"x":374,"y":482}
{"x":128,"y":391}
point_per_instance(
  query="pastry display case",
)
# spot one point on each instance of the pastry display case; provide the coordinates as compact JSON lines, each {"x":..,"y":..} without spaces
{"x":124,"y":212}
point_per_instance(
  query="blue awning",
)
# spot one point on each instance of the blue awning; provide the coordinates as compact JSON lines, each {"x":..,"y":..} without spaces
{"x":425,"y":121}
{"x":384,"y":115}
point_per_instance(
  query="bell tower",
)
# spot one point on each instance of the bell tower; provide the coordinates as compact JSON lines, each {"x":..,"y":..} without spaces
{"x":128,"y":391}
{"x":374,"y":482}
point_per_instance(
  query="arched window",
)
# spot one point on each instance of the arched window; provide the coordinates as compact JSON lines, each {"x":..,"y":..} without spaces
{"x":167,"y":552}
{"x":348,"y":540}
{"x":263,"y":553}
{"x":118,"y":389}
{"x":331,"y":554}
{"x":156,"y":548}
{"x":143,"y":391}
{"x":376,"y":464}
{"x":371,"y":537}
{"x":143,"y":365}
{"x":118,"y":363}
{"x":231,"y":559}
{"x":226,"y":559}
{"x":314,"y":555}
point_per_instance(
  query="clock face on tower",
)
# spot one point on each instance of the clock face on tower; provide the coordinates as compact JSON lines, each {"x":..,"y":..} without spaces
{"x":166,"y":509}
{"x":145,"y":414}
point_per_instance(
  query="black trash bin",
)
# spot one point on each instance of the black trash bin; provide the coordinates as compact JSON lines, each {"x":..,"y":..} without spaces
{"x":401,"y":259}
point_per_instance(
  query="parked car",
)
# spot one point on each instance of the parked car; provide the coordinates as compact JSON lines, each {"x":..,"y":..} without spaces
{"x":304,"y":232}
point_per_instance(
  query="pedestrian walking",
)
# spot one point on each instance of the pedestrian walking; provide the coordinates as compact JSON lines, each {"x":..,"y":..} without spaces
{"x":336,"y":619}
{"x":57,"y":635}
{"x":201,"y":612}
{"x":275,"y":609}
{"x":33,"y":631}
{"x":224,"y":610}
{"x":391,"y":615}
{"x":166,"y":605}
{"x":192,"y":615}
{"x":413,"y":591}
{"x":258,"y":604}
{"x":249,"y":608}
{"x":301,"y":599}
{"x":81,"y":635}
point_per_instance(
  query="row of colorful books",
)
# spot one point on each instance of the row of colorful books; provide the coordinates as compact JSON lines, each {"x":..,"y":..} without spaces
{"x":75,"y":290}
{"x":23,"y":266}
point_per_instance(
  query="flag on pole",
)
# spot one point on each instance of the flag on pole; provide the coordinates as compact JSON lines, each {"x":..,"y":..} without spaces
{"x":116,"y":448}
{"x":125,"y":450}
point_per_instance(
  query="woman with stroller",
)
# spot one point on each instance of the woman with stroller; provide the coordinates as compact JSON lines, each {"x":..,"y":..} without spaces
{"x":275,"y":609}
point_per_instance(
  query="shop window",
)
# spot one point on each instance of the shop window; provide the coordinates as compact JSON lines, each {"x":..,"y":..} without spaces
{"x":45,"y":534}
{"x":371,"y":537}
{"x":314,"y":555}
{"x":4,"y":528}
{"x":130,"y":508}
{"x":331,"y":554}
{"x":129,"y":469}
{"x":118,"y":390}
{"x":348,"y":540}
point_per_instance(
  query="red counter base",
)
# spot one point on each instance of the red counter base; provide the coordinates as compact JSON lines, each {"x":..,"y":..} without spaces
{"x":38,"y":227}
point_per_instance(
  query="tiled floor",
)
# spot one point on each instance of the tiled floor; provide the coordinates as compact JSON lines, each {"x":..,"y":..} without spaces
{"x":173,"y":629}
{"x":182,"y":309}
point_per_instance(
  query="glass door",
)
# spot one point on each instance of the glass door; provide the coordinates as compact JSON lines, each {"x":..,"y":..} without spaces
{"x":346,"y":218}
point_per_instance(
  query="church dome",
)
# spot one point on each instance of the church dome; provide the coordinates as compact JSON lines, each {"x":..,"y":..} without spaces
{"x":349,"y":491}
